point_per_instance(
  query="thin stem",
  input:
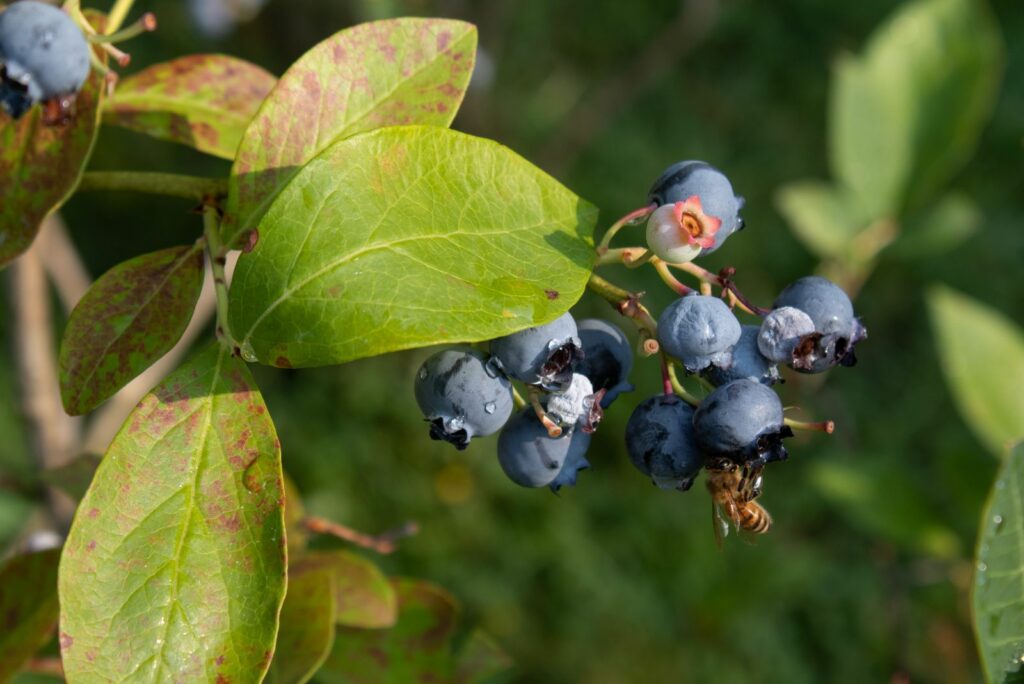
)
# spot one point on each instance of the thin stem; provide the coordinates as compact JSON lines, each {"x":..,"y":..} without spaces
{"x":554,"y":430}
{"x":628,"y":304}
{"x":826,"y":426}
{"x":631,"y":217}
{"x":678,"y":388}
{"x":145,"y":24}
{"x":517,"y":399}
{"x":632,"y":260}
{"x":619,"y":255}
{"x":218,"y":257}
{"x":170,"y":184}
{"x":666,"y":276}
{"x":383,"y":543}
{"x":723,"y":279}
{"x":666,"y":379}
{"x":118,"y":13}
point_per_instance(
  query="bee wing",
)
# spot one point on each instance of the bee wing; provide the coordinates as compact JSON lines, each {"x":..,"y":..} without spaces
{"x":718,"y":525}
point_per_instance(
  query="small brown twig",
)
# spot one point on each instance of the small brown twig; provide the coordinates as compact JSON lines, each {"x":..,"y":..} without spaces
{"x":384,"y":543}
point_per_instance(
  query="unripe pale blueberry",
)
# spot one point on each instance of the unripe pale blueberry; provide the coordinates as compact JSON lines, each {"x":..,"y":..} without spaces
{"x":676,"y":235}
{"x":607,"y":358}
{"x":781,"y":332}
{"x":661,"y":442}
{"x":747,"y":362}
{"x":462,"y":395}
{"x":529,"y":456}
{"x":742,"y":421}
{"x":700,"y":331}
{"x":43,"y":53}
{"x":687,"y":180}
{"x":542,"y":355}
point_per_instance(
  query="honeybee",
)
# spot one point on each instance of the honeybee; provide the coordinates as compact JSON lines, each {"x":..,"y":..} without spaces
{"x":734,"y":488}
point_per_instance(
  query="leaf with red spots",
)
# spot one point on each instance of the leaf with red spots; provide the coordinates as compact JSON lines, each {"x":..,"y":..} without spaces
{"x":203,"y":101}
{"x":127,"y":320}
{"x":307,"y":624}
{"x":365,"y":597}
{"x":416,"y":649}
{"x":405,"y":237}
{"x":28,"y":608}
{"x":174,"y":568}
{"x":40,"y":165}
{"x":383,"y":73}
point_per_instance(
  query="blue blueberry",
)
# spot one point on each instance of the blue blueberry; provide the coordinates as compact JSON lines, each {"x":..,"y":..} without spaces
{"x":43,"y":54}
{"x":747,"y":362}
{"x":575,"y":461}
{"x":836,"y":329}
{"x":462,"y":396}
{"x":607,"y":358}
{"x":661,"y":442}
{"x":687,"y":179}
{"x":742,"y":421}
{"x":543,"y":355}
{"x":700,"y":331}
{"x":531,"y":458}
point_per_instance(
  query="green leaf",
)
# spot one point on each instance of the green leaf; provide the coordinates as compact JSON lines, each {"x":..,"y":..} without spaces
{"x":307,"y":624}
{"x":365,"y":597}
{"x":907,"y":113}
{"x":40,"y":164}
{"x":480,"y":659}
{"x":878,"y":499}
{"x":126,"y":321}
{"x":939,"y":229}
{"x":383,"y":73}
{"x":416,"y":649}
{"x":823,"y":216}
{"x":174,"y":568}
{"x":75,"y":476}
{"x":998,"y":596}
{"x":982,"y":355}
{"x":406,"y":237}
{"x":28,"y":608}
{"x":203,"y":101}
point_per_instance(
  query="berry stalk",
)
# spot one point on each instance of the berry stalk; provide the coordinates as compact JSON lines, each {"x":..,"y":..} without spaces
{"x":217,"y":253}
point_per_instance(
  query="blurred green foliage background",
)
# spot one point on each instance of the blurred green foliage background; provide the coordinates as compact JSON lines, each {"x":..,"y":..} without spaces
{"x":865,"y":576}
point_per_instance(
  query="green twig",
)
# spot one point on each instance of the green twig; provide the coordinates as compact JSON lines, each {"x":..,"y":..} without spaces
{"x":678,"y":386}
{"x":170,"y":184}
{"x":628,"y":304}
{"x":218,"y":257}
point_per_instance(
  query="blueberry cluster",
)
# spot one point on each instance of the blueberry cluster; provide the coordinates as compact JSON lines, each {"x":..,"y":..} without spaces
{"x":572,"y":371}
{"x":43,"y":56}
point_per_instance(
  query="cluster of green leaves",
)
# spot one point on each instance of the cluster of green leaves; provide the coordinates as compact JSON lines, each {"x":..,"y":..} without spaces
{"x":368,"y":227}
{"x":905,"y":116}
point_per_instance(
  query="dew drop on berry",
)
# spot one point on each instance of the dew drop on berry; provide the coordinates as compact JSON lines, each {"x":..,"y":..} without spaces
{"x":490,"y":407}
{"x":423,"y":373}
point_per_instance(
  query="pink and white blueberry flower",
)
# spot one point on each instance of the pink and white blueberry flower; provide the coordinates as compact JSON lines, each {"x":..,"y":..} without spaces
{"x":677,"y":232}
